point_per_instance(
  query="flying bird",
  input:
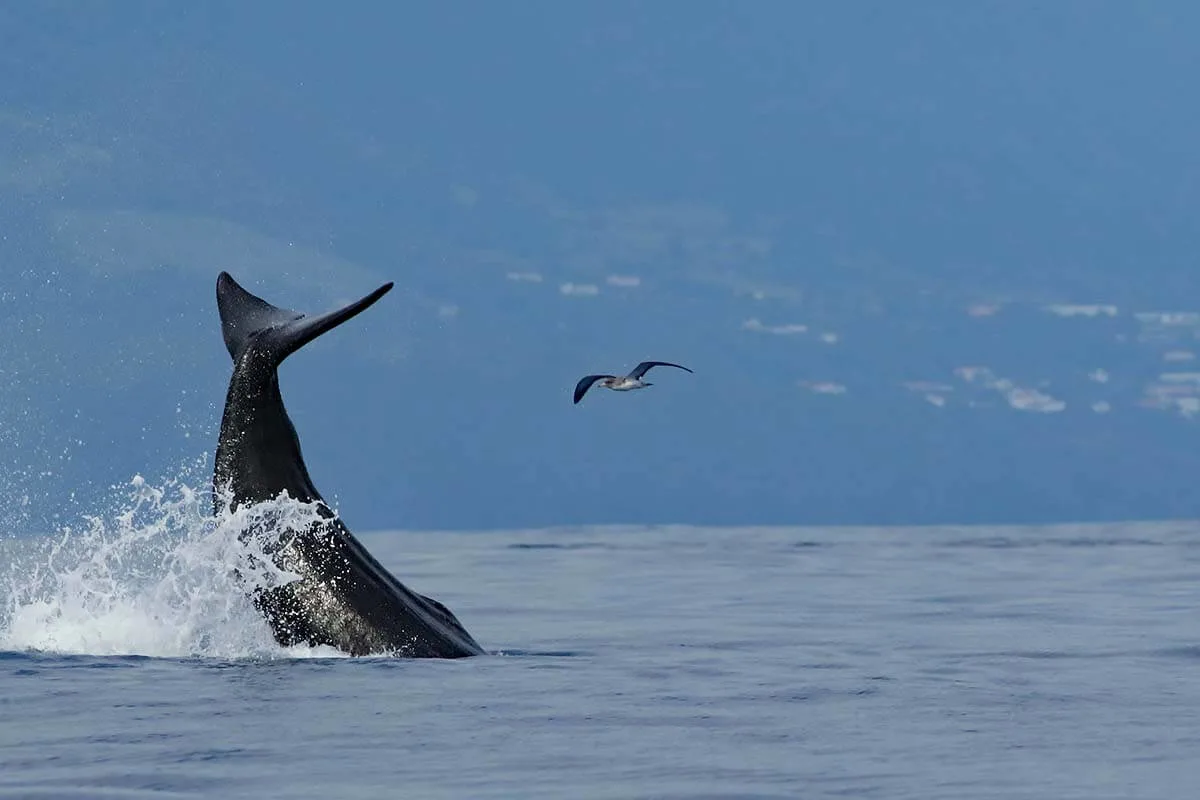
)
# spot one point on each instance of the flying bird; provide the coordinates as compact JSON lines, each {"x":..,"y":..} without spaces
{"x":622,"y":383}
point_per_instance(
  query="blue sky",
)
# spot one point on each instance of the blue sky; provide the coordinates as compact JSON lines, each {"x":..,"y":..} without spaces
{"x":922,"y":256}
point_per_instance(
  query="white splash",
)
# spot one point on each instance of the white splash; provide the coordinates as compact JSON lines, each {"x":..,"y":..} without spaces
{"x":156,"y":578}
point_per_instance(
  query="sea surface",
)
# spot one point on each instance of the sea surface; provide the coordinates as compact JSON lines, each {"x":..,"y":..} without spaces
{"x":634,"y":662}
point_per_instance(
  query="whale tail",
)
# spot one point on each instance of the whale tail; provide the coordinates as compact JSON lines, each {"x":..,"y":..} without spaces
{"x":247,"y":319}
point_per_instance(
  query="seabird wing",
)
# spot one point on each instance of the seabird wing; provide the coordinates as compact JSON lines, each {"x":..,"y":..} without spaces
{"x":644,"y":367}
{"x":585,"y":383}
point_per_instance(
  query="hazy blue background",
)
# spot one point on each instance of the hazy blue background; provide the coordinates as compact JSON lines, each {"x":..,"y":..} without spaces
{"x":922,"y":186}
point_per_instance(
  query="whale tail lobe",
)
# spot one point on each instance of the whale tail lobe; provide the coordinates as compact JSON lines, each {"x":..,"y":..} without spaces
{"x":247,"y":319}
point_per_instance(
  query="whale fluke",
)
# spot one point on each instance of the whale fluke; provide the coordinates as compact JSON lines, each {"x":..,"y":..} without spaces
{"x":246,"y":318}
{"x":343,"y":598}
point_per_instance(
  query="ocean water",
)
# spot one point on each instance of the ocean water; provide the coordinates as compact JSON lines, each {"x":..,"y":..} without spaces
{"x":634,"y":662}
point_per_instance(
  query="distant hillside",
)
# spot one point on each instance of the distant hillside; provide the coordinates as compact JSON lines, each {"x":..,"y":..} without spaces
{"x":927,"y":276}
